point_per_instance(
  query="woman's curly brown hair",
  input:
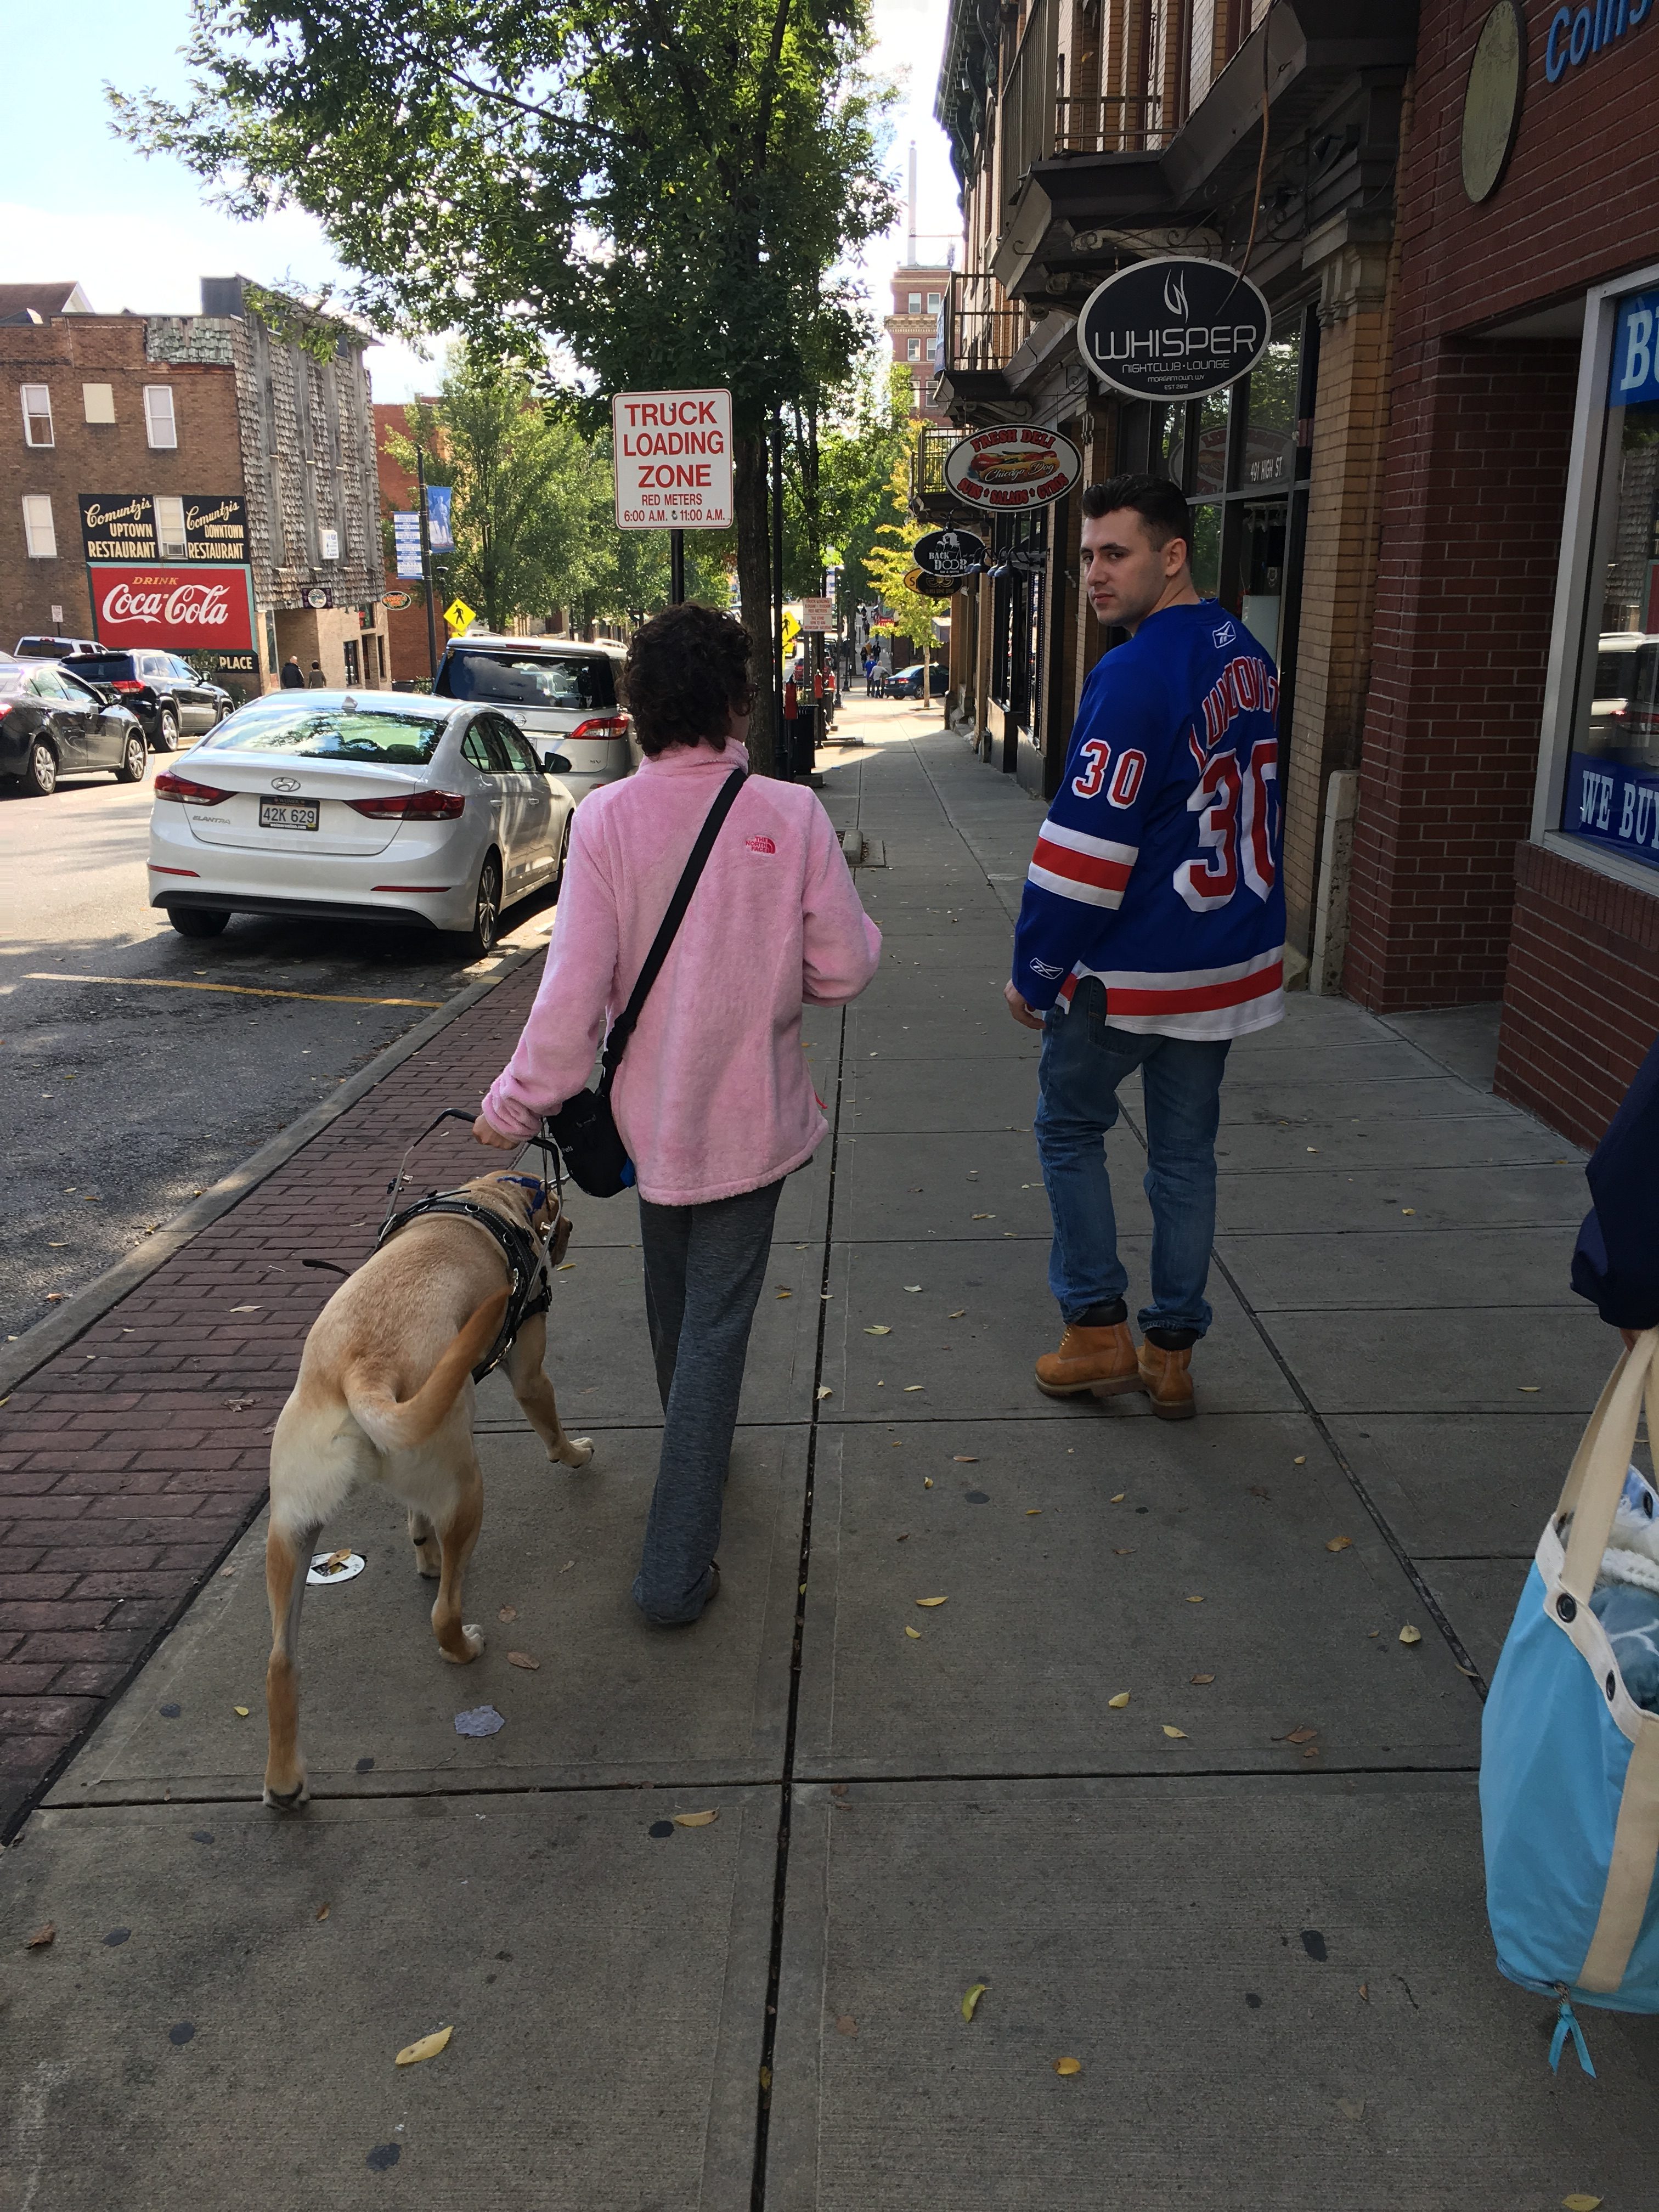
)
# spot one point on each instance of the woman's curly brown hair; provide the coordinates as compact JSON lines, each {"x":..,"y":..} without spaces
{"x":686,"y":674}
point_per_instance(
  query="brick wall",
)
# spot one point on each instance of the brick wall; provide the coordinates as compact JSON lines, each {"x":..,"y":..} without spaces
{"x":1582,"y":1003}
{"x":1473,"y":496}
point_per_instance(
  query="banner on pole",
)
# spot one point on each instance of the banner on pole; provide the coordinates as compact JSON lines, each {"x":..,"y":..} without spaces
{"x":406,"y":540}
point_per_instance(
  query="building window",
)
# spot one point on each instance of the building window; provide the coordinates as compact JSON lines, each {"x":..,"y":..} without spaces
{"x":158,"y":417}
{"x":933,"y":303}
{"x":99,"y":400}
{"x":37,"y":415}
{"x":38,"y":532}
{"x":913,"y":349}
{"x":915,"y":303}
{"x":170,"y":528}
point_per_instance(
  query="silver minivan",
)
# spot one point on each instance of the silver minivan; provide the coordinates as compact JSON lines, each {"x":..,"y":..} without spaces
{"x":561,"y":692}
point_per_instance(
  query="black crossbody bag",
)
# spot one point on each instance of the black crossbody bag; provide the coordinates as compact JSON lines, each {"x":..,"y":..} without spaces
{"x":584,"y":1129}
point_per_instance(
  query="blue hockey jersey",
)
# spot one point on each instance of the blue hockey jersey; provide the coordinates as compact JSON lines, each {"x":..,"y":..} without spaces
{"x":1157,"y":868}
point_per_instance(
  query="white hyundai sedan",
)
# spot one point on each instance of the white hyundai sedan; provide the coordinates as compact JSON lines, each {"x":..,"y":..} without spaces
{"x":357,"y":806}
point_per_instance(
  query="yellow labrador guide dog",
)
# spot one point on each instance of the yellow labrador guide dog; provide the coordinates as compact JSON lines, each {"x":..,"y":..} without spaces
{"x":386,"y":1393}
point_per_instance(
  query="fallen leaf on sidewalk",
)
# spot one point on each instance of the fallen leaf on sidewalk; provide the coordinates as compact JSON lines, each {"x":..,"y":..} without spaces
{"x":564,"y":1267}
{"x":912,"y":1286}
{"x":335,"y":1560}
{"x":971,"y":2000}
{"x":694,"y":1819}
{"x":1301,"y":1460}
{"x":957,"y":1314}
{"x":1579,"y":2202}
{"x":1339,"y":1544}
{"x":1032,"y":1511}
{"x":1124,"y":1552}
{"x":932,"y":1601}
{"x":914,"y":1635}
{"x":926,"y":1482}
{"x":1195,"y":1600}
{"x":846,"y":2024}
{"x":878,"y":1328}
{"x":904,"y":1539}
{"x":823,"y":1392}
{"x":1530,"y":1389}
{"x":508,"y":1613}
{"x":523,"y":1659}
{"x":1067,"y":2066}
{"x":1365,"y":1992}
{"x":786,"y":1294}
{"x":984,"y":1216}
{"x":43,"y":1937}
{"x":1175,"y":1733}
{"x":1410,"y":1634}
{"x":1118,"y":1703}
{"x":241,"y":1712}
{"x":245,"y":1310}
{"x":1408,"y":1209}
{"x":56,"y":1298}
{"x":1303,"y":1735}
{"x":1203,"y":1680}
{"x":1352,"y":2108}
{"x":428,"y":2046}
{"x":323,"y":1911}
{"x":965,"y":1459}
{"x":909,"y":1387}
{"x":1118,"y":1499}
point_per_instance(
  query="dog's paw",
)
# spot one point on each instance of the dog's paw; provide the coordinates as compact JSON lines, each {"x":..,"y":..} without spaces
{"x":287,"y":1801}
{"x":578,"y":1450}
{"x":473,"y":1642}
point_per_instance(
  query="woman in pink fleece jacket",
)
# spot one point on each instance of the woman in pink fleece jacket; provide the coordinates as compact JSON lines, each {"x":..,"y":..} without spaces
{"x":711,"y":1096}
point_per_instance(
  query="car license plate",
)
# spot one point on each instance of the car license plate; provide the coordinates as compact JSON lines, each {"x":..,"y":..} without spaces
{"x":287,"y":813}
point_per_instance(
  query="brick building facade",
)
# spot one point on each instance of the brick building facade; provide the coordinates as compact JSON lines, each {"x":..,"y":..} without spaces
{"x":138,"y":426}
{"x":1511,"y":679}
{"x":409,"y":648}
{"x":919,"y":294}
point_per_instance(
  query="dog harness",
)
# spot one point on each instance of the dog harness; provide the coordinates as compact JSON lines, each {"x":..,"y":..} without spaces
{"x":525,"y":1253}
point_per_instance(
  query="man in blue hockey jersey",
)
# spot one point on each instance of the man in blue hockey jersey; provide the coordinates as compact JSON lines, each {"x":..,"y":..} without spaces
{"x":1151,"y":933}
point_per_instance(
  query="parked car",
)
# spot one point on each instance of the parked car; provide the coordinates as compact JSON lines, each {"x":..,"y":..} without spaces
{"x":561,"y":694}
{"x":906,"y":684}
{"x":163,"y":690}
{"x":55,"y":648}
{"x":358,"y":806}
{"x":1623,"y":716}
{"x":52,"y":724}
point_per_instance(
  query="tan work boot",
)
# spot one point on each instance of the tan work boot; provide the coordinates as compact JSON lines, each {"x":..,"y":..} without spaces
{"x":1166,"y":1377}
{"x":1098,"y":1360}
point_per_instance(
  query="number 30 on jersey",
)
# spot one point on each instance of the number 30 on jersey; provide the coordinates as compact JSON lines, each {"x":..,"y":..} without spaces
{"x":1234,"y":802}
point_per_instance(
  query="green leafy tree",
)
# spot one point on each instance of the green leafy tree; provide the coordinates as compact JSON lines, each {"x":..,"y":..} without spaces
{"x":664,"y":186}
{"x":889,"y":561}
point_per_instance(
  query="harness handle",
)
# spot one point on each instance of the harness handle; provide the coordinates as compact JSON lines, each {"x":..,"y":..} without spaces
{"x":447,"y":1113}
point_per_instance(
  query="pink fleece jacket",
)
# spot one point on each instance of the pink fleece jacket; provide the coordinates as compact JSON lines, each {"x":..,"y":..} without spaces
{"x":713,"y":1095}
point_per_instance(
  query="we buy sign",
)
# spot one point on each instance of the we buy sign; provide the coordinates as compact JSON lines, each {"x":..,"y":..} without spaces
{"x":172,"y":610}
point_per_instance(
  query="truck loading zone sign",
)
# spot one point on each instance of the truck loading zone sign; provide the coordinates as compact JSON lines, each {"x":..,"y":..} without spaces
{"x":673,"y":459}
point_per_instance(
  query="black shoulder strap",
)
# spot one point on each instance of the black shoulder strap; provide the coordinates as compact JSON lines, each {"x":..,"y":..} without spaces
{"x":623,"y":1028}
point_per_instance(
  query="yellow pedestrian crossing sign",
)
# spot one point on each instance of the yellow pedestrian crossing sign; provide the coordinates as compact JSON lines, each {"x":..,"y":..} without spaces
{"x":460,"y":616}
{"x":791,"y":628}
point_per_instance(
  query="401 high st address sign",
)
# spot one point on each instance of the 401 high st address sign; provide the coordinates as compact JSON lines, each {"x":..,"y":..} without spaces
{"x":1176,"y":328}
{"x":673,"y":459}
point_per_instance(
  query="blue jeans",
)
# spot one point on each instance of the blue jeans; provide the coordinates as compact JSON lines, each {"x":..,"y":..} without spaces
{"x":1084,"y":1061}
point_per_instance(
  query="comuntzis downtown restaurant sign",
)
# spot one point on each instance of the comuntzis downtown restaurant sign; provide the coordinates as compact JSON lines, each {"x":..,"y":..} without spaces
{"x":172,"y":610}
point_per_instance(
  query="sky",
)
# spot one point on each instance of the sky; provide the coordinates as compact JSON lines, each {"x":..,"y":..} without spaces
{"x":75,"y":203}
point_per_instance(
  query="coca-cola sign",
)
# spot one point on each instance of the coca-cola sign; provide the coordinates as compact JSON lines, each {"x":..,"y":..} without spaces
{"x":176,"y":610}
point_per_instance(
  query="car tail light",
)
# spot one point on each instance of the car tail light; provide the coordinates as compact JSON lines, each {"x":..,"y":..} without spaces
{"x":602,"y":726}
{"x":411,"y":806}
{"x":186,"y":793}
{"x":125,"y":683}
{"x":6,"y":706}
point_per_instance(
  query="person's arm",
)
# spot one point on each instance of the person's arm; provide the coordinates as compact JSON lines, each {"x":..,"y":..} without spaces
{"x":841,"y":946}
{"x":1616,"y":1264}
{"x":554,"y":1055}
{"x":1087,"y":845}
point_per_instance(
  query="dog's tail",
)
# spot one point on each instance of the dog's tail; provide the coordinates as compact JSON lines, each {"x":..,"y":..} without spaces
{"x":399,"y":1425}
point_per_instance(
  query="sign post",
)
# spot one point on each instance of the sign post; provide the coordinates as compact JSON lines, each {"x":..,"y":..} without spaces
{"x":426,"y":564}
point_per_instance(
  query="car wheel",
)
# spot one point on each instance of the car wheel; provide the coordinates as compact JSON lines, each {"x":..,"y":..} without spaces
{"x":197,"y":920}
{"x":486,"y":910}
{"x":166,"y":731}
{"x":40,"y":770}
{"x":135,"y":758}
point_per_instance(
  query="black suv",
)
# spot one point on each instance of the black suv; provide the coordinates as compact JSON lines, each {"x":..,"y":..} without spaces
{"x":166,"y":694}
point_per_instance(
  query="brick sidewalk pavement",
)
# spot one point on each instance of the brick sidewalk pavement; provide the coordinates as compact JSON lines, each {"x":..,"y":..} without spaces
{"x":131,"y":1461}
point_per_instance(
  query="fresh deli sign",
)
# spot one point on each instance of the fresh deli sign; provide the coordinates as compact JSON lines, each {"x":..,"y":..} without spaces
{"x":122,"y":525}
{"x":176,"y":610}
{"x":1174,"y":329}
{"x":1009,"y":470}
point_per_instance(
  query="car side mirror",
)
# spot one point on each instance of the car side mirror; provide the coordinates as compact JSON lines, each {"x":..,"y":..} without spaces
{"x":557,"y":764}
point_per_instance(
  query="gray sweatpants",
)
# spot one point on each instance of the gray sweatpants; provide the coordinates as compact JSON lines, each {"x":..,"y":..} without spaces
{"x":704,"y":1266}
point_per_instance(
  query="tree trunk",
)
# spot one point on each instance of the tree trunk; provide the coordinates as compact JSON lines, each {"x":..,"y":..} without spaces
{"x":755,"y":589}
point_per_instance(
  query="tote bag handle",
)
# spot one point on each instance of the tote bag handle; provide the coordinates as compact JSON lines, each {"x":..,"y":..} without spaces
{"x":1596,"y":1478}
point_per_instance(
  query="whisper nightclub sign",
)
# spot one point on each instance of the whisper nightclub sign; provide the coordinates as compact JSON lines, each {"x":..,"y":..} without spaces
{"x":199,"y":611}
{"x":1176,"y":328}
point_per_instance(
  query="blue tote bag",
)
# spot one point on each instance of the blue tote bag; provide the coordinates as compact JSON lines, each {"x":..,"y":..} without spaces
{"x":1569,"y":1761}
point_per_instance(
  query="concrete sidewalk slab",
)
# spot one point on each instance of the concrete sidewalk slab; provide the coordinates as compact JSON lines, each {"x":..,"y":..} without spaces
{"x":1481,"y":1595}
{"x":1281,"y":1992}
{"x":613,"y":1700}
{"x":1462,"y":1484}
{"x":979,"y":1367}
{"x":1325,"y":1199}
{"x":1251,"y":1094}
{"x":1365,"y":1268}
{"x":917,"y":1099}
{"x":1375,"y":1141}
{"x":1059,"y":1599}
{"x":606,"y":1987}
{"x":1452,"y":1360}
{"x":912,"y":1188}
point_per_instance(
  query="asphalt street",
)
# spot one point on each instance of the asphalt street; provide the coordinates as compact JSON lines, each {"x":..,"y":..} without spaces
{"x":128,"y":1094}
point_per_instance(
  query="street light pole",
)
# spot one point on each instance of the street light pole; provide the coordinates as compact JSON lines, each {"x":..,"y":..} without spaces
{"x":676,"y":567}
{"x":426,"y":566}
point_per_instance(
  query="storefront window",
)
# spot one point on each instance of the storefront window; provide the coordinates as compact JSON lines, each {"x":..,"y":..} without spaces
{"x":1611,"y":790}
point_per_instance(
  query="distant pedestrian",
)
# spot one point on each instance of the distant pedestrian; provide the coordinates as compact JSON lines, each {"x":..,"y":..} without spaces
{"x":315,"y":681}
{"x":1151,"y":933}
{"x":713,"y":1096}
{"x":293,"y":677}
{"x":1616,"y":1264}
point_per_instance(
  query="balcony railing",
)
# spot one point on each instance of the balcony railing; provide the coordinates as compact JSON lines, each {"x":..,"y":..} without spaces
{"x":1121,"y":123}
{"x":982,"y":328}
{"x":927,"y":464}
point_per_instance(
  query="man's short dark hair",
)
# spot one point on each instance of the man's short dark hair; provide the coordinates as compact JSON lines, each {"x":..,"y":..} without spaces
{"x":1161,"y":505}
{"x":686,"y":674}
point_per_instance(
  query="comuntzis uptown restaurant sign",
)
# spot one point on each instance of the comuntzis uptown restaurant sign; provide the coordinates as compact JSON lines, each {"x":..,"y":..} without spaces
{"x":172,"y":610}
{"x":1008,"y":470}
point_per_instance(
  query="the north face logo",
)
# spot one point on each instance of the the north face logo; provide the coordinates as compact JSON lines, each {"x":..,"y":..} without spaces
{"x":760,"y":844}
{"x":1223,"y":636}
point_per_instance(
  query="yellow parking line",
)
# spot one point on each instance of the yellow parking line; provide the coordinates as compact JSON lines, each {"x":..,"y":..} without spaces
{"x":242,"y":990}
